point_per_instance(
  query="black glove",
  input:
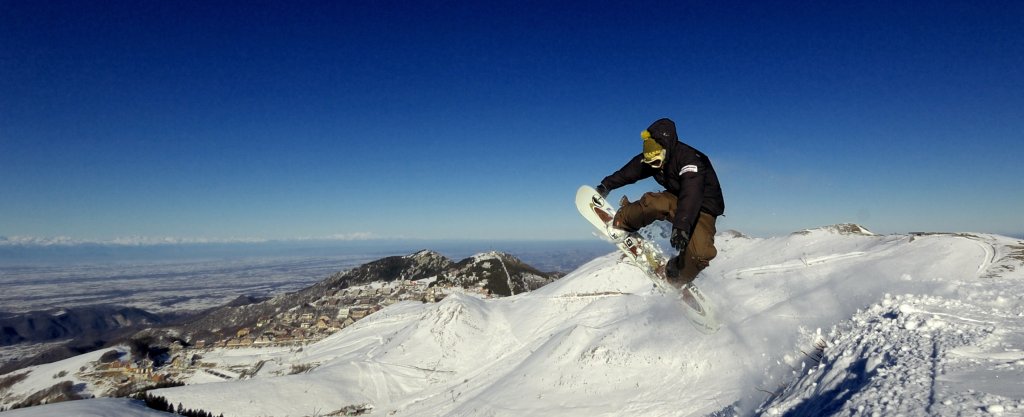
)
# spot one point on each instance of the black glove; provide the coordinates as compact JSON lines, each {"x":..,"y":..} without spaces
{"x":601,"y":189}
{"x":679,"y":239}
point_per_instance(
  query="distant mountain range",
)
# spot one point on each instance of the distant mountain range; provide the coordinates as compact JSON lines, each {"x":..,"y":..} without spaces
{"x":83,"y":329}
{"x":88,"y":321}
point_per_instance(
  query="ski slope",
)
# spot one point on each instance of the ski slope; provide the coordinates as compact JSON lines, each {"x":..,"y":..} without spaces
{"x":822,"y":322}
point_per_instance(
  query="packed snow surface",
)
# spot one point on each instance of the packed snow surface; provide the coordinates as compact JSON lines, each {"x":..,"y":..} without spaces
{"x":823,"y":322}
{"x":96,"y":407}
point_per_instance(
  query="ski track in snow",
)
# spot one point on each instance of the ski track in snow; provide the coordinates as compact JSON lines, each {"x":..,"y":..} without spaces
{"x":912,"y":325}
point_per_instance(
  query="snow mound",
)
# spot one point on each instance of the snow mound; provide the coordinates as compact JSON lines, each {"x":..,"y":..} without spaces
{"x":598,"y":332}
{"x":601,"y":341}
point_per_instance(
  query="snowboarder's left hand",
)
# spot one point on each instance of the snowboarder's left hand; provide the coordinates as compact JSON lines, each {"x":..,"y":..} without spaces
{"x":601,"y":189}
{"x":679,"y":238}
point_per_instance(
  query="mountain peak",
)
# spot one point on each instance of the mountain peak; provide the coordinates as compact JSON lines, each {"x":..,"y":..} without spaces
{"x":732,"y":233}
{"x":495,"y":255}
{"x":423,"y":253}
{"x":498,"y":272}
{"x":839,"y":229}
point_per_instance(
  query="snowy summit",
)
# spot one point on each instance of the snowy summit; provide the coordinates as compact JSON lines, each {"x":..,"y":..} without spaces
{"x":831,"y":321}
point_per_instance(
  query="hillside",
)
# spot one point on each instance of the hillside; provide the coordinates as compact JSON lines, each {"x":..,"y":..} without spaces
{"x":288,"y":321}
{"x":833,"y":321}
{"x":496,"y":273}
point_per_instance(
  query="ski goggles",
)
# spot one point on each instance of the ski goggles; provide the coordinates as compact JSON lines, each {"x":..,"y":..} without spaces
{"x":655,"y":159}
{"x":654,"y":154}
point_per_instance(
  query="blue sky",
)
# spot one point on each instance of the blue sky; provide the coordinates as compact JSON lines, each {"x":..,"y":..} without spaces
{"x":479,"y":120}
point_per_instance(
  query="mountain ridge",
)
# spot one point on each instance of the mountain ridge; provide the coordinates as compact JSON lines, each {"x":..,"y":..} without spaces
{"x":420,"y":265}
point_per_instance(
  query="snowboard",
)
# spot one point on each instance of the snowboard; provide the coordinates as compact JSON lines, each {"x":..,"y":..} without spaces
{"x":646,"y":256}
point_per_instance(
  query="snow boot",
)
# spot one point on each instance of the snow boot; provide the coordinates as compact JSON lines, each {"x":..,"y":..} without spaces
{"x":673,"y":272}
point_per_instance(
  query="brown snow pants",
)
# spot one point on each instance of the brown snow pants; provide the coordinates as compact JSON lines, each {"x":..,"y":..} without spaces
{"x":662,"y":206}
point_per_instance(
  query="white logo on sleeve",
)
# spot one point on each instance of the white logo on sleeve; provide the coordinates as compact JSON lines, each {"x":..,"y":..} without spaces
{"x":688,"y":168}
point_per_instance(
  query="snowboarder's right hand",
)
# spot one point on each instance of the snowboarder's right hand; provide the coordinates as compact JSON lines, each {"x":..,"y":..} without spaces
{"x":679,"y":238}
{"x":601,"y":189}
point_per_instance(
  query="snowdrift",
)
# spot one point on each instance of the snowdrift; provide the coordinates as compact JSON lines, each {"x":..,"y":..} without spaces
{"x":827,"y":321}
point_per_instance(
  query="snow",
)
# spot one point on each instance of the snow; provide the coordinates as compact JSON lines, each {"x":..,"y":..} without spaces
{"x":41,"y":377}
{"x":833,"y":321}
{"x":96,"y":407}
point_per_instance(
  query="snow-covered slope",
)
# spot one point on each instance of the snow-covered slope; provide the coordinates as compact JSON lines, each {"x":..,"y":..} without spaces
{"x":909,"y":324}
{"x":97,"y":407}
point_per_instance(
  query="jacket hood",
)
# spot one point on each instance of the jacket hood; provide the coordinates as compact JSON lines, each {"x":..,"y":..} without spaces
{"x":663,"y":131}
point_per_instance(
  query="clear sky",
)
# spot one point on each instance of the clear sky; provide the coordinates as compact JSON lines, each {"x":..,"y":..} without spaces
{"x":479,"y":120}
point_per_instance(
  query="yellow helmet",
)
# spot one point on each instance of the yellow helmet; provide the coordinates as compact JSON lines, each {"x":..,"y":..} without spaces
{"x":654,"y":154}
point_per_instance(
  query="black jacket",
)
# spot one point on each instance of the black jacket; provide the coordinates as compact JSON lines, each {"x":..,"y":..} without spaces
{"x":687,"y":173}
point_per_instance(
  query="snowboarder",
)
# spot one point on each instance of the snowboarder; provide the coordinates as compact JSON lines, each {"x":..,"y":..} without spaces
{"x":692,"y":199}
